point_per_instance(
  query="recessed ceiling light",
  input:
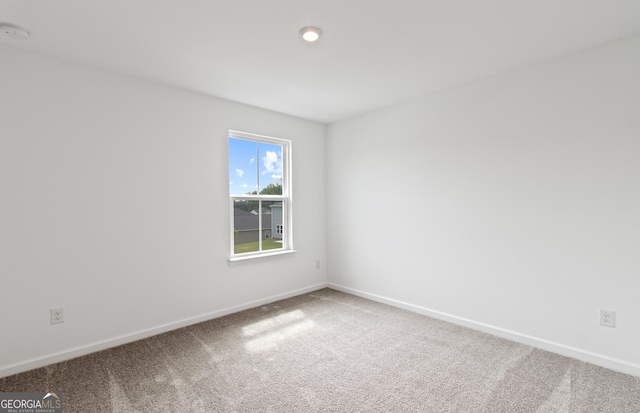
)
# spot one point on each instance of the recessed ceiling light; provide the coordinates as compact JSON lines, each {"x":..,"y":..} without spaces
{"x":310,"y":33}
{"x":14,"y":31}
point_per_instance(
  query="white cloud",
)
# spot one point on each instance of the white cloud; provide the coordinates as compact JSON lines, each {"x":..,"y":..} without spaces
{"x":252,"y":160}
{"x":230,"y":183}
{"x":274,"y":176}
{"x":245,"y":186}
{"x":270,"y":160}
{"x":272,"y":163}
{"x":239,"y":172}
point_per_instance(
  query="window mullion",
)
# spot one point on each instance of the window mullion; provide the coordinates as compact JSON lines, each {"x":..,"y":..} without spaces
{"x":260,"y":225}
{"x":258,"y":167}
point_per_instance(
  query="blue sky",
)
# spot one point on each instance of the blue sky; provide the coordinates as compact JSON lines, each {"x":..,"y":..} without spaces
{"x":252,"y":164}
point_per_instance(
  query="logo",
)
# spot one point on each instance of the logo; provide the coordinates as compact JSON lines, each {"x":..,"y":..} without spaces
{"x":30,"y":402}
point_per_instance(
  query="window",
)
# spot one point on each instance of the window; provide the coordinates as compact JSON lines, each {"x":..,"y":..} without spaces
{"x":260,"y":195}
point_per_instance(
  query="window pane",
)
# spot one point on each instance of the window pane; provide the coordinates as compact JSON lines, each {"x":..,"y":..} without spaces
{"x":270,"y":178}
{"x":272,"y":210}
{"x":243,"y":166}
{"x":246,"y":234}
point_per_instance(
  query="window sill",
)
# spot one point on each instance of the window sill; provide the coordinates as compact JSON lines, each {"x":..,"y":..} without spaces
{"x":249,"y":258}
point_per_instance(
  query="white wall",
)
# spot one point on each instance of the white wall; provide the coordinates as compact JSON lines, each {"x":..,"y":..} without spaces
{"x":114,"y":205}
{"x":513,"y":202}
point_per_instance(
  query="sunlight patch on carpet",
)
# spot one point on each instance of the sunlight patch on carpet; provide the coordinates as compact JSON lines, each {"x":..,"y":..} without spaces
{"x":271,"y":340}
{"x":272,"y":323}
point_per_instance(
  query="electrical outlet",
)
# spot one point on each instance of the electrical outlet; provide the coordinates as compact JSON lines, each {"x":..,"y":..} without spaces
{"x":57,"y":315}
{"x":318,"y":264}
{"x":608,"y":318}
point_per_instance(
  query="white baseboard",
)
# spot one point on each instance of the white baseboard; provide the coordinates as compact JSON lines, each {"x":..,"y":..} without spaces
{"x":587,"y":356}
{"x":20,"y":367}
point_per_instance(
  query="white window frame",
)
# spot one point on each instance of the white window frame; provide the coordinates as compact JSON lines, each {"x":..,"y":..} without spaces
{"x":286,"y":199}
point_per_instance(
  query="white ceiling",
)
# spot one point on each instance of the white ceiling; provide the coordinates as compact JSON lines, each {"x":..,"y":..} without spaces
{"x":373,"y":53}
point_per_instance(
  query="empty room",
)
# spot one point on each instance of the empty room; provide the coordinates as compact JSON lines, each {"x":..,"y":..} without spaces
{"x":320,"y":206}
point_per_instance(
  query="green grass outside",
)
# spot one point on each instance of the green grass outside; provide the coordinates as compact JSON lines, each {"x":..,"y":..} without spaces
{"x":267,"y":244}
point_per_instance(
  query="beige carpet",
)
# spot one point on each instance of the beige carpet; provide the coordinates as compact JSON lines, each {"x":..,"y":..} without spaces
{"x":329,"y":352}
